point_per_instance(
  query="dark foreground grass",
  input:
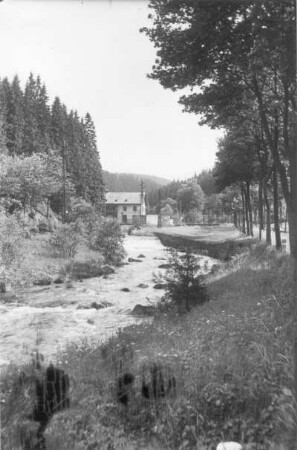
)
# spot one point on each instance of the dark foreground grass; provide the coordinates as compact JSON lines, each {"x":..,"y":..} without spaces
{"x":231,"y":358}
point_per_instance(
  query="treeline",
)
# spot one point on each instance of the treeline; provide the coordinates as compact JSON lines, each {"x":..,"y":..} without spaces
{"x":128,"y":182}
{"x":187,"y":200}
{"x":239,"y":60}
{"x":30,"y":125}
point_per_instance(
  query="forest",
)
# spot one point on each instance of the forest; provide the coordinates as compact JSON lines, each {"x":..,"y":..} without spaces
{"x":48,"y":152}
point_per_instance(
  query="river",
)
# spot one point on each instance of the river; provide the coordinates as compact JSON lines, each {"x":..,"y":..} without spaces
{"x":47,"y":318}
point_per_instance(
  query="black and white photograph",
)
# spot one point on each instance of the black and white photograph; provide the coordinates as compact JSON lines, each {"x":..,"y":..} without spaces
{"x":148,"y":224}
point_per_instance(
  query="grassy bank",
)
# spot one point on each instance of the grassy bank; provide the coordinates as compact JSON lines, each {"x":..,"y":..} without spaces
{"x":231,"y":358}
{"x":220,"y":242}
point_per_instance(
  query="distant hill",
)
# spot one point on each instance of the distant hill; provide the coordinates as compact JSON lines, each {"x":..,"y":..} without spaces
{"x":130,"y":182}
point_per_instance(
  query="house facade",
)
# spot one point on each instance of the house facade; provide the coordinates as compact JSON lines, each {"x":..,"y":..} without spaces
{"x":126,"y":207}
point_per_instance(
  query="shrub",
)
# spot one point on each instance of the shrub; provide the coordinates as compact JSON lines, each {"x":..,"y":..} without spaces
{"x":12,"y":249}
{"x":66,"y":240}
{"x":133,"y":228}
{"x":83,"y":211}
{"x":107,"y":238}
{"x":184,"y":286}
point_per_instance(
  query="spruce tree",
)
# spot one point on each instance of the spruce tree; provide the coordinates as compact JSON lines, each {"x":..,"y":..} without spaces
{"x":30,"y":141}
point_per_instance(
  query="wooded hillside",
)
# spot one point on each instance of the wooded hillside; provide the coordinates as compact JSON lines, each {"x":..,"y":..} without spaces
{"x":30,"y":125}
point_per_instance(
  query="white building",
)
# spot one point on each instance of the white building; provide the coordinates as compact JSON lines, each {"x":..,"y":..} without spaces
{"x":126,"y":207}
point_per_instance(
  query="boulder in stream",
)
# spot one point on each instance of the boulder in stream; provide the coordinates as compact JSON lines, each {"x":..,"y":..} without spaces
{"x":143,"y":310}
{"x":59,"y":279}
{"x":96,"y":305}
{"x":134,"y":260}
{"x":164,"y":266}
{"x":107,"y":270}
{"x":141,"y":256}
{"x":143,"y":286}
{"x":160,"y":286}
{"x":125,"y":289}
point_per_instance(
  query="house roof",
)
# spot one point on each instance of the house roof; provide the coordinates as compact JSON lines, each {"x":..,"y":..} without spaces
{"x":123,"y":198}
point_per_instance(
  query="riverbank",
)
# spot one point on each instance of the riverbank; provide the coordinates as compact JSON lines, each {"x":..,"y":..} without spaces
{"x":221,"y":242}
{"x":231,"y":358}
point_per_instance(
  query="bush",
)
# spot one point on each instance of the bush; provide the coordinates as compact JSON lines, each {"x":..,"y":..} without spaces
{"x":84,"y":212}
{"x":12,"y":249}
{"x":66,"y":240}
{"x":133,"y":228}
{"x":107,"y":238}
{"x":184,"y":285}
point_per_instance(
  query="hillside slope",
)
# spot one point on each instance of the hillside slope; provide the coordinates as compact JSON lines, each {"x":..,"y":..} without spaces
{"x":129,"y":182}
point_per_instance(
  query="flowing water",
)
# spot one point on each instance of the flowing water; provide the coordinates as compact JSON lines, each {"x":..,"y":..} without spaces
{"x":48,"y":318}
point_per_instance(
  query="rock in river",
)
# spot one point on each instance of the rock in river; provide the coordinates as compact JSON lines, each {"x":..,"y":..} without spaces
{"x":160,"y":286}
{"x":134,"y":260}
{"x":142,"y":310}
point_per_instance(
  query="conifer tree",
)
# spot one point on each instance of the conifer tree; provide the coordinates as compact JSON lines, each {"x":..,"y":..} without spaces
{"x":30,"y":141}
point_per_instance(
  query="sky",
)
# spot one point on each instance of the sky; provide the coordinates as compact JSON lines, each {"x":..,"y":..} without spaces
{"x":91,"y":54}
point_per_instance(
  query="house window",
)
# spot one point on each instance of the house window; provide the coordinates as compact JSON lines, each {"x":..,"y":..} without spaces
{"x":134,"y":208}
{"x":124,"y":208}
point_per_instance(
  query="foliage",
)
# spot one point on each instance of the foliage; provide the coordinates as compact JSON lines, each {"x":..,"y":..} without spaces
{"x":12,"y":249}
{"x":167,"y":210}
{"x":193,"y":216}
{"x":65,"y":241}
{"x":29,"y":179}
{"x":206,"y":181}
{"x":169,"y":191}
{"x":184,"y":285}
{"x":107,"y":238}
{"x":213,"y":206}
{"x":31,"y":127}
{"x":85,"y":212}
{"x":191,"y":196}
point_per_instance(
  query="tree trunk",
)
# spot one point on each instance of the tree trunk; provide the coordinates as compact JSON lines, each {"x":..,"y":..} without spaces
{"x":268,"y":224}
{"x":243,"y":209}
{"x":246,"y":202}
{"x":278,"y":243}
{"x":235,"y":218}
{"x":249,"y":209}
{"x":260,"y":205}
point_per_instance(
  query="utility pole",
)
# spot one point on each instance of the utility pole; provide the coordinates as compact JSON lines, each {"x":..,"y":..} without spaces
{"x":159,"y":208}
{"x":64,"y":179}
{"x":103,"y":199}
{"x":141,"y":202}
